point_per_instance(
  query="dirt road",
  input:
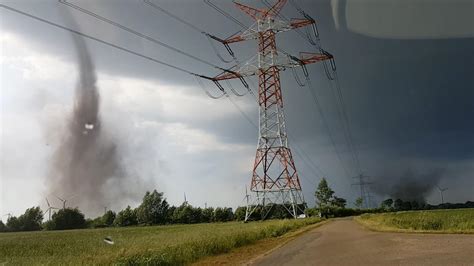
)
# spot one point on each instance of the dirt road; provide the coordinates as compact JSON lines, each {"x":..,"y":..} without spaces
{"x":345,"y":242}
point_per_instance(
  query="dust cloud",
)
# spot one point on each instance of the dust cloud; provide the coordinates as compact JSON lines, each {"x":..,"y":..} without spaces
{"x":408,"y":183}
{"x":86,"y":158}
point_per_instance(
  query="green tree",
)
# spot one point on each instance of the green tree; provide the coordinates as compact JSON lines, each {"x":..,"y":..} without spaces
{"x":31,"y":219}
{"x":223,"y":214}
{"x":108,"y":218}
{"x":323,"y":194}
{"x":387,"y":204}
{"x":3,"y":227}
{"x":398,"y":204}
{"x":68,"y":219}
{"x":126,"y":217}
{"x":338,"y":202}
{"x":186,"y":214}
{"x":207,"y":215}
{"x":359,"y":202}
{"x":240,"y":213}
{"x":13,"y":224}
{"x":153,"y":209}
{"x":170,"y":214}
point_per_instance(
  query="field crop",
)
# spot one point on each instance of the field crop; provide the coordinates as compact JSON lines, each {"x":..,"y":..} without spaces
{"x":443,"y":221}
{"x":157,"y":245}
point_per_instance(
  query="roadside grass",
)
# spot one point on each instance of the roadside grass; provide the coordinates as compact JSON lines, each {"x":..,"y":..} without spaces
{"x":156,"y":245}
{"x":432,"y":221}
{"x":248,"y":254}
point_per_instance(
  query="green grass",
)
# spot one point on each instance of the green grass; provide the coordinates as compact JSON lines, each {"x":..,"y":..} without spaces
{"x":162,"y":245}
{"x":440,"y":221}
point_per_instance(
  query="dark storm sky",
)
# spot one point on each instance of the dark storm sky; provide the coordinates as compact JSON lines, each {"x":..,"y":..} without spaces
{"x":410,"y":101}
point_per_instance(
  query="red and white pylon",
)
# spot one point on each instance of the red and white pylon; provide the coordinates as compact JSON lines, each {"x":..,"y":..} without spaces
{"x":275,"y":179}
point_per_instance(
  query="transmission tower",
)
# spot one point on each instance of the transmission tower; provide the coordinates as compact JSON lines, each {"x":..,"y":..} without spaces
{"x":275,"y":179}
{"x":365,"y":194}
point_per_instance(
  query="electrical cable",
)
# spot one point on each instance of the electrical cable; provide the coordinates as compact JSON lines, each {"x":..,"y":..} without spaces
{"x":346,"y":118}
{"x":281,"y":16}
{"x":199,"y":81}
{"x":224,"y":13}
{"x":300,"y":152}
{"x":312,"y":91}
{"x":194,"y":27}
{"x":154,"y":41}
{"x":113,"y":46}
{"x":99,"y":40}
{"x":233,"y":90}
{"x":139,"y":55}
{"x":297,"y":78}
{"x":90,"y":13}
{"x":344,"y":121}
{"x":338,"y":92}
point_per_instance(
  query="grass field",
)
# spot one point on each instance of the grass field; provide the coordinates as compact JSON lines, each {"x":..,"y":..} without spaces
{"x":441,"y":221}
{"x":163,"y":245}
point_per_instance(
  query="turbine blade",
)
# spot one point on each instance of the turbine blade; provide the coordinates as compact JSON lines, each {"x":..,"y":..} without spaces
{"x":59,"y":198}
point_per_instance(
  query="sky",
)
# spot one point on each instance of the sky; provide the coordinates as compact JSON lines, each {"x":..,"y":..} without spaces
{"x":408,"y":92}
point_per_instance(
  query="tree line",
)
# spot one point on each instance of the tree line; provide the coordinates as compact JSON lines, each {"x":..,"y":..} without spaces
{"x":155,"y":210}
{"x":329,"y":205}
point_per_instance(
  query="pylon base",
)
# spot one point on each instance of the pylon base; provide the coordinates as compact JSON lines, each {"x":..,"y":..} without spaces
{"x":291,"y":200}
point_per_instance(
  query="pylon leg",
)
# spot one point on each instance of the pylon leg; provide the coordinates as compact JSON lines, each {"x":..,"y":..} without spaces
{"x":291,"y":199}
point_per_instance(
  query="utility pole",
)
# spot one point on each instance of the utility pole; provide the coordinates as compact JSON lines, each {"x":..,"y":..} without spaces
{"x":364,"y":184}
{"x":275,"y":179}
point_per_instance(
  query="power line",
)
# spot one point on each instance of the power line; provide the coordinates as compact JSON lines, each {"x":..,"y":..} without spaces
{"x":306,"y":159}
{"x":298,"y":150}
{"x":196,"y":28}
{"x":338,"y":93}
{"x":312,"y":91}
{"x":139,"y":34}
{"x":99,"y":40}
{"x":306,"y":37}
{"x":150,"y":59}
{"x":345,"y":122}
{"x":224,"y":13}
{"x":208,"y":36}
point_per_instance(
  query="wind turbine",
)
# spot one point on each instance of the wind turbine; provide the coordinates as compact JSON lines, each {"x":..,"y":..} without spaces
{"x":48,"y":210}
{"x":441,"y":190}
{"x":9,"y":215}
{"x":64,"y":200}
{"x":185,"y":201}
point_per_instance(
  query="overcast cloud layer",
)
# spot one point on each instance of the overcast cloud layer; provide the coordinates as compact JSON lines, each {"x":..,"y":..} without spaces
{"x":410,"y":104}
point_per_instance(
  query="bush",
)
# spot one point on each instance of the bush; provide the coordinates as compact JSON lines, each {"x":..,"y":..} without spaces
{"x":126,"y":217}
{"x":153,"y":210}
{"x":3,"y":227}
{"x":29,"y":221}
{"x":239,"y":214}
{"x":66,"y":219}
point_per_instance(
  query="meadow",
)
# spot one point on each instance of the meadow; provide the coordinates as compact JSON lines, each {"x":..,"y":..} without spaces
{"x":157,"y":245}
{"x":439,"y":221}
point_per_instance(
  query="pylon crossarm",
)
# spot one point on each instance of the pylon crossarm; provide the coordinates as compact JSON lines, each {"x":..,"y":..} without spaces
{"x":274,"y":24}
{"x":253,"y":12}
{"x":275,"y":9}
{"x":310,"y":58}
{"x":301,"y":22}
{"x":280,"y":60}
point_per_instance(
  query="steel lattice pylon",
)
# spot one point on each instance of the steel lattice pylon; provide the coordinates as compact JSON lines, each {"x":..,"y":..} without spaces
{"x":275,"y":179}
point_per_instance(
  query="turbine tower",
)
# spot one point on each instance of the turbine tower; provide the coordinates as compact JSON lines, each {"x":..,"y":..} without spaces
{"x":49,"y":209}
{"x":441,"y":190}
{"x":275,"y":179}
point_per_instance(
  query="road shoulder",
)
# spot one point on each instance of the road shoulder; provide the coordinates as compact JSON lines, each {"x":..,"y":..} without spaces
{"x":246,"y":255}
